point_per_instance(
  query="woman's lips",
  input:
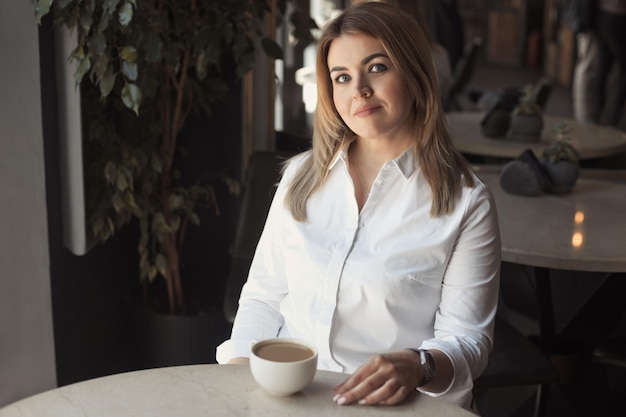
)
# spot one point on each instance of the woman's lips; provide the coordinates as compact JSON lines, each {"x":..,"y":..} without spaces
{"x":365,"y":111}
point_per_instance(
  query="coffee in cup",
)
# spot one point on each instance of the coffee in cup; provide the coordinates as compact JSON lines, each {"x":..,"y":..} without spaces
{"x":283,"y":366}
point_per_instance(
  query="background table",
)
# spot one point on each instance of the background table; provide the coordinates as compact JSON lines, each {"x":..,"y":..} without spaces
{"x":581,"y":231}
{"x":208,"y":390}
{"x":540,"y":230}
{"x":590,"y":140}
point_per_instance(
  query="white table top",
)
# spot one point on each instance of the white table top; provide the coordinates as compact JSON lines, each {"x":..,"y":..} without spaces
{"x":590,"y":140}
{"x":541,"y":231}
{"x":208,"y":390}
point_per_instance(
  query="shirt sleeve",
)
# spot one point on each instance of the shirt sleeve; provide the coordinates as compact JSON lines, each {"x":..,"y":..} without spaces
{"x":258,"y":315}
{"x":464,"y":322}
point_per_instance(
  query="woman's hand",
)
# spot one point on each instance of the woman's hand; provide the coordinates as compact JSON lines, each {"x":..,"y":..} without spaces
{"x":382,"y":379}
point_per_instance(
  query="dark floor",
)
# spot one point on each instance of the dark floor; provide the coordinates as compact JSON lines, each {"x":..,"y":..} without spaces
{"x":595,"y":390}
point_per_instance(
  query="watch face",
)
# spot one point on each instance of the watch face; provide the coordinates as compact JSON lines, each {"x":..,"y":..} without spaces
{"x":430,"y":360}
{"x":429,"y":366}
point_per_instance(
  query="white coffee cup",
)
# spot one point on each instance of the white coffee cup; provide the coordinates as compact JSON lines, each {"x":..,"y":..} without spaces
{"x":283,"y":366}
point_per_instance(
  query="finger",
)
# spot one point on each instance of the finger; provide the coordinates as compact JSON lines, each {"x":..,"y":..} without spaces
{"x":363,"y":372}
{"x":397,"y":397}
{"x":373,"y":390}
{"x":349,"y":383}
{"x":359,"y":391}
{"x":386,"y":393}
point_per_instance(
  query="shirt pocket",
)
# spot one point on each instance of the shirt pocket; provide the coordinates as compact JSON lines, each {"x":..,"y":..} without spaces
{"x":431,"y":280}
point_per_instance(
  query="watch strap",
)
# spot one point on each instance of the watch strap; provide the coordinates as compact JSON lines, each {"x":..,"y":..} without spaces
{"x":428,"y":364}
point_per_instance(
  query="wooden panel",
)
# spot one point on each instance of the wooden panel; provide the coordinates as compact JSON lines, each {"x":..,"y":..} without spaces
{"x":504,"y":37}
{"x":566,"y":55}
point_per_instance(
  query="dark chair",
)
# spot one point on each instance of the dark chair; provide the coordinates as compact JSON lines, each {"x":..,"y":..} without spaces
{"x":612,"y":353}
{"x":516,"y":361}
{"x":608,"y":359}
{"x":463,"y":73}
{"x":258,"y":190}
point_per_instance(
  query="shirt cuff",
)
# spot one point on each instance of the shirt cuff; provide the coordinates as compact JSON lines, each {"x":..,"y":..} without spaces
{"x":457,"y":377}
{"x":230,"y":349}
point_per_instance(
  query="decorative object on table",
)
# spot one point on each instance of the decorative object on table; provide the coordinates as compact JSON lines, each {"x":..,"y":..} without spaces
{"x":143,"y":69}
{"x":525,"y":175}
{"x":496,"y":122}
{"x":561,"y":160}
{"x":527,"y":117}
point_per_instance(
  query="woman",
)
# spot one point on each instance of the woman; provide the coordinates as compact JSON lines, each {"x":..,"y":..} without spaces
{"x":380,"y":247}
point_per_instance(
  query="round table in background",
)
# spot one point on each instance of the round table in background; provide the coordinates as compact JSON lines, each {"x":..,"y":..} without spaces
{"x":582,"y":231}
{"x":591,"y":141}
{"x":208,"y":390}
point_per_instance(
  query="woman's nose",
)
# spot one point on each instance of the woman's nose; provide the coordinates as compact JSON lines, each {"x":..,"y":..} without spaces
{"x":362,"y":91}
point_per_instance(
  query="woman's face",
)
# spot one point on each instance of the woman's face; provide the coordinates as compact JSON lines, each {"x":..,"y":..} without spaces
{"x":368,"y":91}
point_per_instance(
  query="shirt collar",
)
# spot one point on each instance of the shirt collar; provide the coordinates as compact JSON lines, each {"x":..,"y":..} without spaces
{"x":406,"y":162}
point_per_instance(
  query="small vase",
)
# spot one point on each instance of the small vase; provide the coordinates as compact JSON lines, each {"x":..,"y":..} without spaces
{"x":526,"y":127}
{"x":564,"y":175}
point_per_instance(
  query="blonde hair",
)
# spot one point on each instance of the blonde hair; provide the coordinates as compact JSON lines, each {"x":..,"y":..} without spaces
{"x":407,"y":45}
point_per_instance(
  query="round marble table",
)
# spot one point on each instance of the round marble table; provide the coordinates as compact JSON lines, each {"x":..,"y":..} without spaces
{"x":591,"y":141}
{"x":208,"y":390}
{"x":582,"y":231}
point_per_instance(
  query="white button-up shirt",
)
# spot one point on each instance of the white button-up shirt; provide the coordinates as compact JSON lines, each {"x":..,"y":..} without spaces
{"x":388,"y":278}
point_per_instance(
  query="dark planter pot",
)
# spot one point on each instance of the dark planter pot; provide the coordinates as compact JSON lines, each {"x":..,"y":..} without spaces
{"x":160,"y":340}
{"x":526,"y":127}
{"x":564,"y":175}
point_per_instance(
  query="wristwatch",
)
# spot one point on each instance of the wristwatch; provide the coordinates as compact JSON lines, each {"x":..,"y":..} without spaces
{"x":428,"y":364}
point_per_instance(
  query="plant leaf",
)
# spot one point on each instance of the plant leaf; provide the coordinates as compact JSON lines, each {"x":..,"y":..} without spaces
{"x":128,"y":53}
{"x":121,"y":181}
{"x":152,"y":273}
{"x":81,"y":69}
{"x":98,"y":44}
{"x":131,"y":97}
{"x":125,"y":13}
{"x":110,"y":172}
{"x":42,"y":7}
{"x":106,"y":83}
{"x":118,"y":203}
{"x":156,"y":163}
{"x":161,"y":263}
{"x":176,"y":201}
{"x":201,"y":65}
{"x":193,"y":218}
{"x":129,"y":69}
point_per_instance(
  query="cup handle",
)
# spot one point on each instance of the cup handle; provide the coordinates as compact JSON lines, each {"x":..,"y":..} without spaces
{"x":252,"y":343}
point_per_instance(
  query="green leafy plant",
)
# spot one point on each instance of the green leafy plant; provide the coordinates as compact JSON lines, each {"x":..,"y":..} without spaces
{"x":561,"y":148}
{"x":528,"y":102}
{"x":143,"y":67}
